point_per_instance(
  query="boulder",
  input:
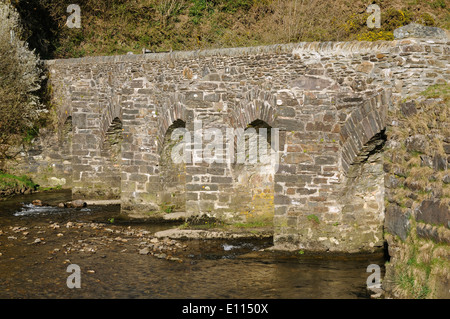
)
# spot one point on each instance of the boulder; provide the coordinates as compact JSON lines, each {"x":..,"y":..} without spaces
{"x":37,"y":202}
{"x":446,"y":179}
{"x":433,"y":212}
{"x":76,"y":203}
{"x":397,"y":222}
{"x":439,"y":162}
{"x":415,"y":30}
{"x":417,"y":143}
{"x":408,"y":108}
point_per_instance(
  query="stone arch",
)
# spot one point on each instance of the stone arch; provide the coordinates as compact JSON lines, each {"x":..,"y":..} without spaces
{"x":363,"y":130}
{"x":111,"y":116}
{"x":254,"y":179}
{"x":170,"y":111}
{"x":172,"y":172}
{"x":111,"y":153}
{"x":257,"y":104}
{"x":361,"y":197}
{"x":112,"y":142}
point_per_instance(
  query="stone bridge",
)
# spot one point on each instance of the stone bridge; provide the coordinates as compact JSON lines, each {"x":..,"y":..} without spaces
{"x":329,"y":102}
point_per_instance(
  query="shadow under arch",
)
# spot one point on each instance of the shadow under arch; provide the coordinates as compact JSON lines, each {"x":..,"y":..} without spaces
{"x":171,"y":192}
{"x":111,"y":151}
{"x":254,"y":173}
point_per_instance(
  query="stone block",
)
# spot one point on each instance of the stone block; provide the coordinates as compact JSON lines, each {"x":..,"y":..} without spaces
{"x":433,"y":212}
{"x":417,"y":143}
{"x":408,"y":108}
{"x":415,"y":30}
{"x":325,"y":160}
{"x":397,"y":222}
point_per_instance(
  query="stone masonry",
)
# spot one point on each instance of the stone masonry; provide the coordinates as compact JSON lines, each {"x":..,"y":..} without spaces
{"x":329,"y":102}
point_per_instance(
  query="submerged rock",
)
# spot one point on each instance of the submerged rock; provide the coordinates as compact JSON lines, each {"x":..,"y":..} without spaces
{"x":76,"y":203}
{"x":38,"y":202}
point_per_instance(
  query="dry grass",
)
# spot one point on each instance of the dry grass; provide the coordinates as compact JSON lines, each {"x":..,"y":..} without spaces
{"x":119,"y":26}
{"x":421,"y":266}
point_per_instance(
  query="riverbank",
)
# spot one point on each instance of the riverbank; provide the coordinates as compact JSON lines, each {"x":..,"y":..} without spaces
{"x":11,"y":185}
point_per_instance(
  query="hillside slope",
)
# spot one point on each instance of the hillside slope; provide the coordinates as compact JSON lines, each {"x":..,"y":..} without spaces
{"x":120,"y":26}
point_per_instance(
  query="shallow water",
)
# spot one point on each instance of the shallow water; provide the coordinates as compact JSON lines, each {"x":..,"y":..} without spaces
{"x":36,"y":247}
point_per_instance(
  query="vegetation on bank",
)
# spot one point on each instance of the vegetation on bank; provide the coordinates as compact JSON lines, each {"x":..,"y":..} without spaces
{"x":20,"y":86}
{"x":12,"y":184}
{"x":412,"y":165}
{"x":120,"y":26}
{"x":420,"y":267}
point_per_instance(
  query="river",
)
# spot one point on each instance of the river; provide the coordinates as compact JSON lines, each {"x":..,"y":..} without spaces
{"x":37,"y":244}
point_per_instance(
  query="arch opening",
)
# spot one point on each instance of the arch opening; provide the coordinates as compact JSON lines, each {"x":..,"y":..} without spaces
{"x":172,"y":172}
{"x":111,"y":151}
{"x":254,"y":174}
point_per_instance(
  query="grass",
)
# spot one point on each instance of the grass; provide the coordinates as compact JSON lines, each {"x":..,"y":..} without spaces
{"x":422,"y":263}
{"x":253,"y":224}
{"x":12,"y":181}
{"x":50,"y":188}
{"x":437,"y":91}
{"x":211,"y":223}
{"x":119,"y":26}
{"x":313,"y":218}
{"x":429,"y":121}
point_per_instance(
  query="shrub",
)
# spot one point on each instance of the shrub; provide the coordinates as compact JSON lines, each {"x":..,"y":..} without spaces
{"x":376,"y":35}
{"x":20,"y":77}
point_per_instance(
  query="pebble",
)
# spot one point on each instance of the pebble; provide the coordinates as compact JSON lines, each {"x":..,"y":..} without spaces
{"x":175,"y":259}
{"x":144,"y":251}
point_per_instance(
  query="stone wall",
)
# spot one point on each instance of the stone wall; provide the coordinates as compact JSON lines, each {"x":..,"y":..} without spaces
{"x":328,"y":100}
{"x":47,"y":159}
{"x":418,"y":196}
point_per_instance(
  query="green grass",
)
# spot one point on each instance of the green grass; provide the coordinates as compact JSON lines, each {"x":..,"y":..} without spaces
{"x":12,"y":181}
{"x":50,"y":188}
{"x":206,"y":224}
{"x":253,"y":224}
{"x":313,"y":218}
{"x":437,"y":91}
